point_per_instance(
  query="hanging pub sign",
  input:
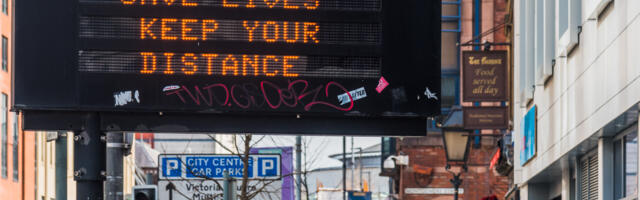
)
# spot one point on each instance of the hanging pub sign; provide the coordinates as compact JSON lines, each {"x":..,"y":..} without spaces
{"x":343,"y":60}
{"x":486,"y":117}
{"x":485,"y":76}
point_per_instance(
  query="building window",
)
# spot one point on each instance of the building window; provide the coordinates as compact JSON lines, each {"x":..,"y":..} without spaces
{"x":537,"y":44}
{"x":545,"y":39}
{"x":589,"y":176}
{"x":5,"y":111}
{"x":626,"y":164}
{"x":449,"y":91}
{"x":526,"y":40}
{"x":15,"y":148}
{"x":568,"y":14}
{"x":563,"y":17}
{"x":5,"y":53}
{"x":5,"y":7}
{"x":539,"y":39}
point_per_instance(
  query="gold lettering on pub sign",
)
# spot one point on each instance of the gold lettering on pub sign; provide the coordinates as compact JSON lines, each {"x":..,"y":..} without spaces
{"x":485,"y":78}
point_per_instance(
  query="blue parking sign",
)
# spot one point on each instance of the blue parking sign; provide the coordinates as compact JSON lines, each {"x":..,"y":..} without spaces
{"x":268,"y":166}
{"x":212,"y":166}
{"x":171,"y":167}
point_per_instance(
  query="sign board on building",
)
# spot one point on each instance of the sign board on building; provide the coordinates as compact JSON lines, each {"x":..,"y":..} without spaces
{"x":199,"y":176}
{"x":528,"y":135}
{"x":295,"y":59}
{"x":485,"y":76}
{"x":486,"y":117}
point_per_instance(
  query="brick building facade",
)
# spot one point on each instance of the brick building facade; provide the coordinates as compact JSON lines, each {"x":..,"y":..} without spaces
{"x":428,"y":153}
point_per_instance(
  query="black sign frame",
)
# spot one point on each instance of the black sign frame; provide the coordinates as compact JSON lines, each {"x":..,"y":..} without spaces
{"x":48,"y":85}
{"x":501,"y":84}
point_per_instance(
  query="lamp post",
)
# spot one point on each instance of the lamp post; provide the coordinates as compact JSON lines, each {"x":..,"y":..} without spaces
{"x":456,"y":143}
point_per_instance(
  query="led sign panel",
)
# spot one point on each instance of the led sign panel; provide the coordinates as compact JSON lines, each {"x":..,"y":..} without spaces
{"x":337,"y":58}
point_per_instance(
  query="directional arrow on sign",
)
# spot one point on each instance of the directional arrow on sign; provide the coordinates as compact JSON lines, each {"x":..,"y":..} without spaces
{"x":170,"y":188}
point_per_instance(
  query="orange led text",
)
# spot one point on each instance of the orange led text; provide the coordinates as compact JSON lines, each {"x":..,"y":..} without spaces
{"x":215,"y":64}
{"x":185,"y":3}
{"x":276,"y":31}
{"x":176,"y":29}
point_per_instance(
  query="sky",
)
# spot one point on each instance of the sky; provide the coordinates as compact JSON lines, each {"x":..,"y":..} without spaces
{"x":319,"y":147}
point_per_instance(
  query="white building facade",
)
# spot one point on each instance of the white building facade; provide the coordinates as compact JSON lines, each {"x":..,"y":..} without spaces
{"x":577,"y":63}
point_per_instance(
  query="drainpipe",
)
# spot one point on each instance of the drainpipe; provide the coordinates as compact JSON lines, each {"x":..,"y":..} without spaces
{"x":477,"y":30}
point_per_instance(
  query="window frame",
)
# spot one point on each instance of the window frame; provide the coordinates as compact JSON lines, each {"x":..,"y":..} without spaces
{"x":549,"y":42}
{"x":456,"y":84}
{"x":5,"y":53}
{"x":539,"y":35}
{"x":16,"y":146}
{"x":5,"y":135}
{"x":621,"y":137}
{"x":526,"y":27}
{"x":521,"y":32}
{"x":5,"y":7}
{"x":568,"y":40}
{"x":586,"y":157}
{"x":454,"y":71}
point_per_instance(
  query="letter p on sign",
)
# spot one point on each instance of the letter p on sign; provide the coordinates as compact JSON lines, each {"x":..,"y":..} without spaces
{"x":171,"y":167}
{"x":267,"y":167}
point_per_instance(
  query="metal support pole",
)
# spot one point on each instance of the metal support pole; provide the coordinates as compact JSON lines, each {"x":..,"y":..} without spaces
{"x":456,"y":181}
{"x":344,"y":167}
{"x":228,"y":186}
{"x":298,"y":167}
{"x":225,"y":186}
{"x":89,"y":160}
{"x":61,"y":165}
{"x":353,"y":166}
{"x":360,"y":161}
{"x":115,"y":152}
{"x":360,"y":182}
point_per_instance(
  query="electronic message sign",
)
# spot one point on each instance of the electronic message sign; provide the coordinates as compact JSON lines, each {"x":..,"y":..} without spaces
{"x":330,"y":58}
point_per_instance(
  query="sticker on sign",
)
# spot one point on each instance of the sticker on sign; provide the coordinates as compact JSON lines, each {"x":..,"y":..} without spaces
{"x":202,"y":166}
{"x":356,"y":94}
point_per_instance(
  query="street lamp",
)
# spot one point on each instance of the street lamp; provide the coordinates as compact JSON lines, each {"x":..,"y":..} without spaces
{"x":456,"y":143}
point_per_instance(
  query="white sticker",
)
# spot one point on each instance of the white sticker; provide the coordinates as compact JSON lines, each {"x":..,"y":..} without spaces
{"x":430,"y":95}
{"x":126,"y":97}
{"x":170,"y":87}
{"x":356,"y":94}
